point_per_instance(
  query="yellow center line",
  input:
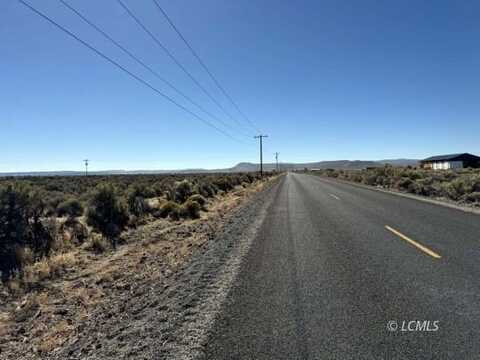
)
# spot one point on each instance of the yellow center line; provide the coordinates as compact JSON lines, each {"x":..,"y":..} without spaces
{"x":414,"y":243}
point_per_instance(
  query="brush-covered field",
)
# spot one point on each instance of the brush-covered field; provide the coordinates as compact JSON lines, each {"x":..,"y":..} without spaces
{"x":90,"y":259}
{"x":41,"y":216}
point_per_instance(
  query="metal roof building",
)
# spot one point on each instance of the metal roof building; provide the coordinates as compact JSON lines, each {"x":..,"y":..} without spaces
{"x":451,"y":161}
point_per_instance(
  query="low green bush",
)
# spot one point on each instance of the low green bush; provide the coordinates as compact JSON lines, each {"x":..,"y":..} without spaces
{"x":137,"y":205}
{"x":170,"y":208}
{"x":472,"y":198}
{"x":183,"y":189}
{"x":199,"y":199}
{"x":71,"y":208}
{"x":223,"y":183}
{"x":206,"y":189}
{"x":191,"y":209}
{"x":106,"y":213}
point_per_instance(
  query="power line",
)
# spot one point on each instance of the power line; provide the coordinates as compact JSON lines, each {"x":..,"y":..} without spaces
{"x":142,"y":63}
{"x":174,"y":59}
{"x":204,"y":65}
{"x":113,"y":62}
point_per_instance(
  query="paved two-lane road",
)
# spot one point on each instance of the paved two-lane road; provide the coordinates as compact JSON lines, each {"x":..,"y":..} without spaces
{"x":334,"y":264}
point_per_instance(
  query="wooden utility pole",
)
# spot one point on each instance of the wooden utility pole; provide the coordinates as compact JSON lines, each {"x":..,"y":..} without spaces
{"x":276,"y":161}
{"x":261,"y":151}
{"x":86,"y":166}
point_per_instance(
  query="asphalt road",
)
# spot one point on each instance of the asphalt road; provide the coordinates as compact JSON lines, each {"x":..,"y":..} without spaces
{"x":326,"y":279}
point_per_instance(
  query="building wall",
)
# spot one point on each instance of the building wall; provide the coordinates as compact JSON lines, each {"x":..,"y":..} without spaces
{"x":445,"y":165}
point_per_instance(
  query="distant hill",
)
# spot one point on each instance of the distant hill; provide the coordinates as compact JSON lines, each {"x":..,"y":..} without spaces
{"x":400,"y":162}
{"x":240,"y":167}
{"x":335,"y":164}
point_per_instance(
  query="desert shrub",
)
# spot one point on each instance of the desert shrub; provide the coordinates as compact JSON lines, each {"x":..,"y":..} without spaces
{"x":97,"y":244}
{"x":158,"y":188}
{"x":456,"y":188}
{"x":46,"y":268}
{"x":223,"y":183}
{"x":38,"y":237}
{"x":71,"y":208}
{"x":190,"y":209}
{"x":136,"y":200}
{"x":356,"y":176}
{"x":382,"y":180}
{"x":413,"y":174}
{"x":414,"y":188}
{"x":246,"y":178}
{"x":207,"y":189}
{"x":171,"y":209}
{"x":475,"y":181}
{"x":331,"y":173}
{"x":403,"y":183}
{"x":13,"y":227}
{"x":199,"y":199}
{"x":369,"y":179}
{"x":183,"y":189}
{"x":472,"y":198}
{"x":52,"y":201}
{"x":74,"y":231}
{"x":106,"y":214}
{"x":169,"y":192}
{"x":235,"y":180}
{"x":450,"y":175}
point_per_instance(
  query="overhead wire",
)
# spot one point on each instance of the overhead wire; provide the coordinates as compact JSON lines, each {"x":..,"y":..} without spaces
{"x":202,"y":63}
{"x":128,"y":72}
{"x":143,"y":64}
{"x":176,"y":61}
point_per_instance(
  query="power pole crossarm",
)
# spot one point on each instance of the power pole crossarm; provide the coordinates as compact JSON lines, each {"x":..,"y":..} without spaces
{"x":261,"y":151}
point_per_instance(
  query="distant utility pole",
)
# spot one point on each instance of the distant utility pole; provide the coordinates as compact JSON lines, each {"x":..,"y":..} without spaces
{"x":86,"y":166}
{"x":276,"y":161}
{"x":261,"y":151}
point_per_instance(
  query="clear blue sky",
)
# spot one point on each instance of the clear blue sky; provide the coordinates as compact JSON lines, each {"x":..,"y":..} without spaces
{"x":325,"y":79}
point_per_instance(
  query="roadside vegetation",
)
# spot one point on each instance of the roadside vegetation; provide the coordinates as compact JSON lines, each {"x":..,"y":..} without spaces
{"x":43,"y":218}
{"x":461,"y":186}
{"x":77,"y":251}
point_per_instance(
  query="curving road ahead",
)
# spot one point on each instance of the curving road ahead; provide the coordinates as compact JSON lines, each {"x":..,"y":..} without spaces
{"x":343,"y":272}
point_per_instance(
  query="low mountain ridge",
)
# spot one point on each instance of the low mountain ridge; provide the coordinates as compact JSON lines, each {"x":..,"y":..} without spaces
{"x":333,"y":164}
{"x":240,"y":167}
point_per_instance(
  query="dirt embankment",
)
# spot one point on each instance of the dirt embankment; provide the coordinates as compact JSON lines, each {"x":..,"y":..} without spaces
{"x":155,"y":297}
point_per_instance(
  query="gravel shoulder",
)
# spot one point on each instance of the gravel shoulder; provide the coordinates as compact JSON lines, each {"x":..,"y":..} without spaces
{"x":155,"y":298}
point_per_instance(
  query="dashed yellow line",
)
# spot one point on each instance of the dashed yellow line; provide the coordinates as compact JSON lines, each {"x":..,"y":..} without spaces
{"x":414,"y":243}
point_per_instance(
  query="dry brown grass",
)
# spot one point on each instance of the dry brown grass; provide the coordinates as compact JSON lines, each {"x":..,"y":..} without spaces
{"x":54,"y":338}
{"x":47,"y":268}
{"x":97,"y":244}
